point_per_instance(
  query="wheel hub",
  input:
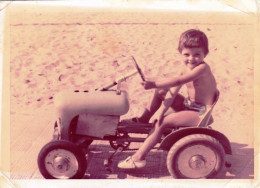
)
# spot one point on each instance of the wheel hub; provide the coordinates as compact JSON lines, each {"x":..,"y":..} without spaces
{"x":61,"y":164}
{"x":197,"y":162}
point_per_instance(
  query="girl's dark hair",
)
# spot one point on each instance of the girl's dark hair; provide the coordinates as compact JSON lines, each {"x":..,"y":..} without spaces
{"x":193,"y":39}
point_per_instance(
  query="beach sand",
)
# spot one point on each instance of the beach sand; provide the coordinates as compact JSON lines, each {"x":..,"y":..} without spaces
{"x":54,"y":49}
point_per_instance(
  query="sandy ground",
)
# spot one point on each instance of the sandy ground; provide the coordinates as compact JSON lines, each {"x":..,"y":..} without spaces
{"x":52,"y":49}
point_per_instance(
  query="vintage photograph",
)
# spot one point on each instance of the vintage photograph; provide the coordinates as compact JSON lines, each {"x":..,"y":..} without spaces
{"x":131,"y":89}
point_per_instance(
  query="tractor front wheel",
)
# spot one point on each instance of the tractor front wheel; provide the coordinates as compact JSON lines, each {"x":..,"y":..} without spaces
{"x":62,"y":160}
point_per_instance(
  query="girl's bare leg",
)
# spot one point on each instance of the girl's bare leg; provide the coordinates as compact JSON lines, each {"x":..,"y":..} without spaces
{"x":183,"y":118}
{"x":153,"y":106}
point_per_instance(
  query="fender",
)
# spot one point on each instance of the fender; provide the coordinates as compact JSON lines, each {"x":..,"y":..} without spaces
{"x":173,"y":137}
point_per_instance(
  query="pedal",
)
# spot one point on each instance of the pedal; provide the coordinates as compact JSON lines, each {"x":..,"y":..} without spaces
{"x":108,"y":162}
{"x":107,"y":166}
{"x":227,"y":164}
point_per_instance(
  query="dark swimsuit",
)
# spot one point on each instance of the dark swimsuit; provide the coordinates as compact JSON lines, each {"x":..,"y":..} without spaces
{"x":181,"y":103}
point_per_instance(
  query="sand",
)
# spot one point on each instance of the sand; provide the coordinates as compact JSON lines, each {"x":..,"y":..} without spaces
{"x":54,"y":49}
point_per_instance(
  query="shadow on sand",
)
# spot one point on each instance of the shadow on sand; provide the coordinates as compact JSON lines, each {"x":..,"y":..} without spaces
{"x":155,"y":168}
{"x":242,"y":164}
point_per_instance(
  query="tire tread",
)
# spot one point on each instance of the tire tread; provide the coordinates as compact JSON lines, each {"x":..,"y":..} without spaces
{"x":189,"y":139}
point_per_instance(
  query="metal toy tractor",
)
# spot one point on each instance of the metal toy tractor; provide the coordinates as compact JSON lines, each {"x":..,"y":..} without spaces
{"x":84,"y":116}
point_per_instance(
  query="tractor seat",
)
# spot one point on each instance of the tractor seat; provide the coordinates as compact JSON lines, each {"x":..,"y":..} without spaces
{"x":207,"y":119}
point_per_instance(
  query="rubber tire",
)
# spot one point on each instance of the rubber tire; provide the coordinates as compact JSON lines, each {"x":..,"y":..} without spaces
{"x":86,"y":143}
{"x":190,"y":140}
{"x":66,"y":145}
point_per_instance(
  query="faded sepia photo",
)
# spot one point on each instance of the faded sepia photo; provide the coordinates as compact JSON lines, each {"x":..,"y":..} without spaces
{"x":75,"y":73}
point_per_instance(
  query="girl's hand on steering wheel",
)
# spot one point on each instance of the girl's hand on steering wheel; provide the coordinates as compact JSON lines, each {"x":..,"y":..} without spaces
{"x":148,"y":84}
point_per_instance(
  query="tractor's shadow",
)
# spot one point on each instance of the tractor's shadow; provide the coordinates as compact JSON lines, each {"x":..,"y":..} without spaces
{"x":242,"y":164}
{"x":155,"y":168}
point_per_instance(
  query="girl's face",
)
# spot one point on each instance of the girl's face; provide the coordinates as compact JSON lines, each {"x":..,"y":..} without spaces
{"x":192,"y":57}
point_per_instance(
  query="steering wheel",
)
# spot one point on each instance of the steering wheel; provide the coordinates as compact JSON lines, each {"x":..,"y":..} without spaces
{"x":138,"y":69}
